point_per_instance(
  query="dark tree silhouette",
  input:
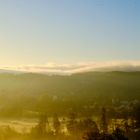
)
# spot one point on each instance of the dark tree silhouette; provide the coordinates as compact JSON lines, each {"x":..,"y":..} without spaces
{"x":42,"y":124}
{"x":104,"y":124}
{"x":40,"y":129}
{"x":56,"y":125}
{"x":72,"y":123}
{"x":136,"y":115}
{"x":119,"y":134}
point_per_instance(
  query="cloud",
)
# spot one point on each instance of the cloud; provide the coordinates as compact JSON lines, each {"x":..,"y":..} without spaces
{"x":53,"y":68}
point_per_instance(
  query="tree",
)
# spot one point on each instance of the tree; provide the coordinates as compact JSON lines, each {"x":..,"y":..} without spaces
{"x":40,"y":128}
{"x":72,"y":123}
{"x":56,"y":124}
{"x":136,"y":115}
{"x":119,"y":134}
{"x":92,"y":136}
{"x":88,"y":125}
{"x":91,"y":130}
{"x":104,"y":125}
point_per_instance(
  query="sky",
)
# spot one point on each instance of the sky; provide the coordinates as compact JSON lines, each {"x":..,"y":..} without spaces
{"x":38,"y":32}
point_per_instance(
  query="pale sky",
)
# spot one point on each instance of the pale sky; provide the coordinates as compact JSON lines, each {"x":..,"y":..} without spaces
{"x":35,"y":32}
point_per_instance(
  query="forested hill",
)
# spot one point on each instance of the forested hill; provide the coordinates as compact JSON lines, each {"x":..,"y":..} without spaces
{"x":78,"y":84}
{"x":32,"y":91}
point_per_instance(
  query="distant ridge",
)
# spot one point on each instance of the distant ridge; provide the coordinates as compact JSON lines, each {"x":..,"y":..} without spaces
{"x":69,"y":69}
{"x":4,"y":71}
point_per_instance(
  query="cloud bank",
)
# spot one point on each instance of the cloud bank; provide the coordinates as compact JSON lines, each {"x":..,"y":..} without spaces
{"x":68,"y":69}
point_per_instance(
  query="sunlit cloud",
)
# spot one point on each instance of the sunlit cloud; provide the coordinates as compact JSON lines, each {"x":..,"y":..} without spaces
{"x":68,"y":69}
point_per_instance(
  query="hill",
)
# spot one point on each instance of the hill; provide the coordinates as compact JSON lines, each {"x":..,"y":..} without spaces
{"x":37,"y":92}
